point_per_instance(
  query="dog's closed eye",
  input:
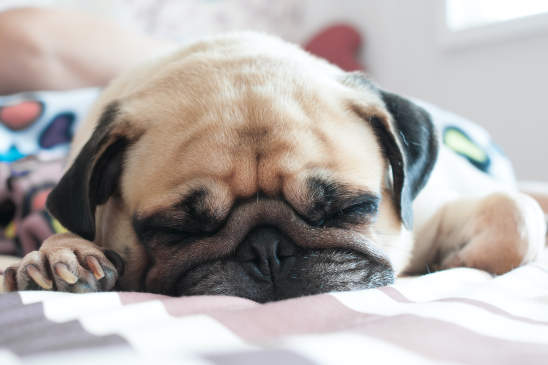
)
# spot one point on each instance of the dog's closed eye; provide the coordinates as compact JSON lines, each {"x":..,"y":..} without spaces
{"x":160,"y":227}
{"x":355,"y":212}
{"x":335,"y":205}
{"x":190,"y":219}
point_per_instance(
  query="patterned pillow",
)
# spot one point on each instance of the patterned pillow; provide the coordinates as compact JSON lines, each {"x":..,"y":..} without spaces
{"x":41,"y":122}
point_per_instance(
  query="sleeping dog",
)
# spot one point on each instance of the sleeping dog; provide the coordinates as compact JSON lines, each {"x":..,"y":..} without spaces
{"x":242,"y":165}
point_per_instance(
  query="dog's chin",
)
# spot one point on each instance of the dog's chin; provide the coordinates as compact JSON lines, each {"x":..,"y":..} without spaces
{"x":306,"y":273}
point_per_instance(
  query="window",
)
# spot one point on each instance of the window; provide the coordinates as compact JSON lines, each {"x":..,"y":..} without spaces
{"x":464,"y":23}
{"x":462,"y":14}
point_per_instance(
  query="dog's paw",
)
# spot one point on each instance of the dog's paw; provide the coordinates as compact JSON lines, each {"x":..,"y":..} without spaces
{"x":68,"y":263}
{"x":505,"y":231}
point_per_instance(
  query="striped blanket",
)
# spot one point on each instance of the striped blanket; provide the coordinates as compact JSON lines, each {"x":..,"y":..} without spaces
{"x":455,"y":316}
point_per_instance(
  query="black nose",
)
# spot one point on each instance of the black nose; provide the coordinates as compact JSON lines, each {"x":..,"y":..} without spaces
{"x":267,"y":252}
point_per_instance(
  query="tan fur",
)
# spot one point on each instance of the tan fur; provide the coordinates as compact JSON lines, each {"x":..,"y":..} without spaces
{"x":496,"y":233}
{"x":240,"y":143}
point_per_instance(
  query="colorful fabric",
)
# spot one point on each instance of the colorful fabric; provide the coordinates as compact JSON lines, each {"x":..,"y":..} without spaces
{"x":24,"y":221}
{"x":41,"y":122}
{"x":471,"y":142}
{"x":458,"y":316}
{"x":35,"y":134}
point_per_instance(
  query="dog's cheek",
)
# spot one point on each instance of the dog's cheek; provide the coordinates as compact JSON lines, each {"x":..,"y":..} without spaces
{"x":335,"y":270}
{"x":136,"y":261}
{"x":121,"y":238}
{"x":391,"y":236}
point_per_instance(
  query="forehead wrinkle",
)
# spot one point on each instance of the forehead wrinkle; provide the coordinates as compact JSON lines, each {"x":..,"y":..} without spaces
{"x":265,"y":135}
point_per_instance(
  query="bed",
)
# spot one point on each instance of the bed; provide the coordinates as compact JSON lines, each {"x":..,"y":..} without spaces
{"x":458,"y":316}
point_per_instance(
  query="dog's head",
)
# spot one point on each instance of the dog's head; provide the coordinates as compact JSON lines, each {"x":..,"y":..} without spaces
{"x":244,"y":166}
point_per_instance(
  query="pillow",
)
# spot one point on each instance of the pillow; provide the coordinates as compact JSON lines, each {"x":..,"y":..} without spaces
{"x":339,"y":44}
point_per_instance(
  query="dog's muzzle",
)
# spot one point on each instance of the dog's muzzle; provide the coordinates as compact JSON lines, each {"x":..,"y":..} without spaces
{"x":267,"y":252}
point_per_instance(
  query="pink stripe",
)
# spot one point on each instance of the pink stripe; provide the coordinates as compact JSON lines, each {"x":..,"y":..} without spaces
{"x":312,"y":314}
{"x":495,"y":310}
{"x":431,"y":338}
{"x":206,"y":304}
{"x":447,"y":341}
{"x":127,"y":298}
{"x":184,"y":306}
{"x":394,"y":294}
{"x":399,"y":297}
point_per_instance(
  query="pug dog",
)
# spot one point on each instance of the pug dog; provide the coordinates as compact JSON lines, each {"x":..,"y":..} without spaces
{"x":242,"y":165}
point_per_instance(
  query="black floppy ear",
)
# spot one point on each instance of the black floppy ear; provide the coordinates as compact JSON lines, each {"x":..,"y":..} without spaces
{"x":92,"y":178}
{"x":411,"y":147}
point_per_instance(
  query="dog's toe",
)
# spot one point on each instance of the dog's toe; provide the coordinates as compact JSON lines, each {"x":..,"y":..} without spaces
{"x":80,"y":272}
{"x":76,"y":266}
{"x":31,"y":273}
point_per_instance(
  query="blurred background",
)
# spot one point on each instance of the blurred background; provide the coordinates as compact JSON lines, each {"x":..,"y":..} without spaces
{"x":484,"y":59}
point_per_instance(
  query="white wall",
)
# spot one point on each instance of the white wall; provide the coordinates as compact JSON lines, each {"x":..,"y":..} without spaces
{"x":502,"y":86}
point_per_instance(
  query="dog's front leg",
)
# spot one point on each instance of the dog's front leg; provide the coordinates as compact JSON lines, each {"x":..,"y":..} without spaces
{"x":65,"y":262}
{"x":495,"y":233}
